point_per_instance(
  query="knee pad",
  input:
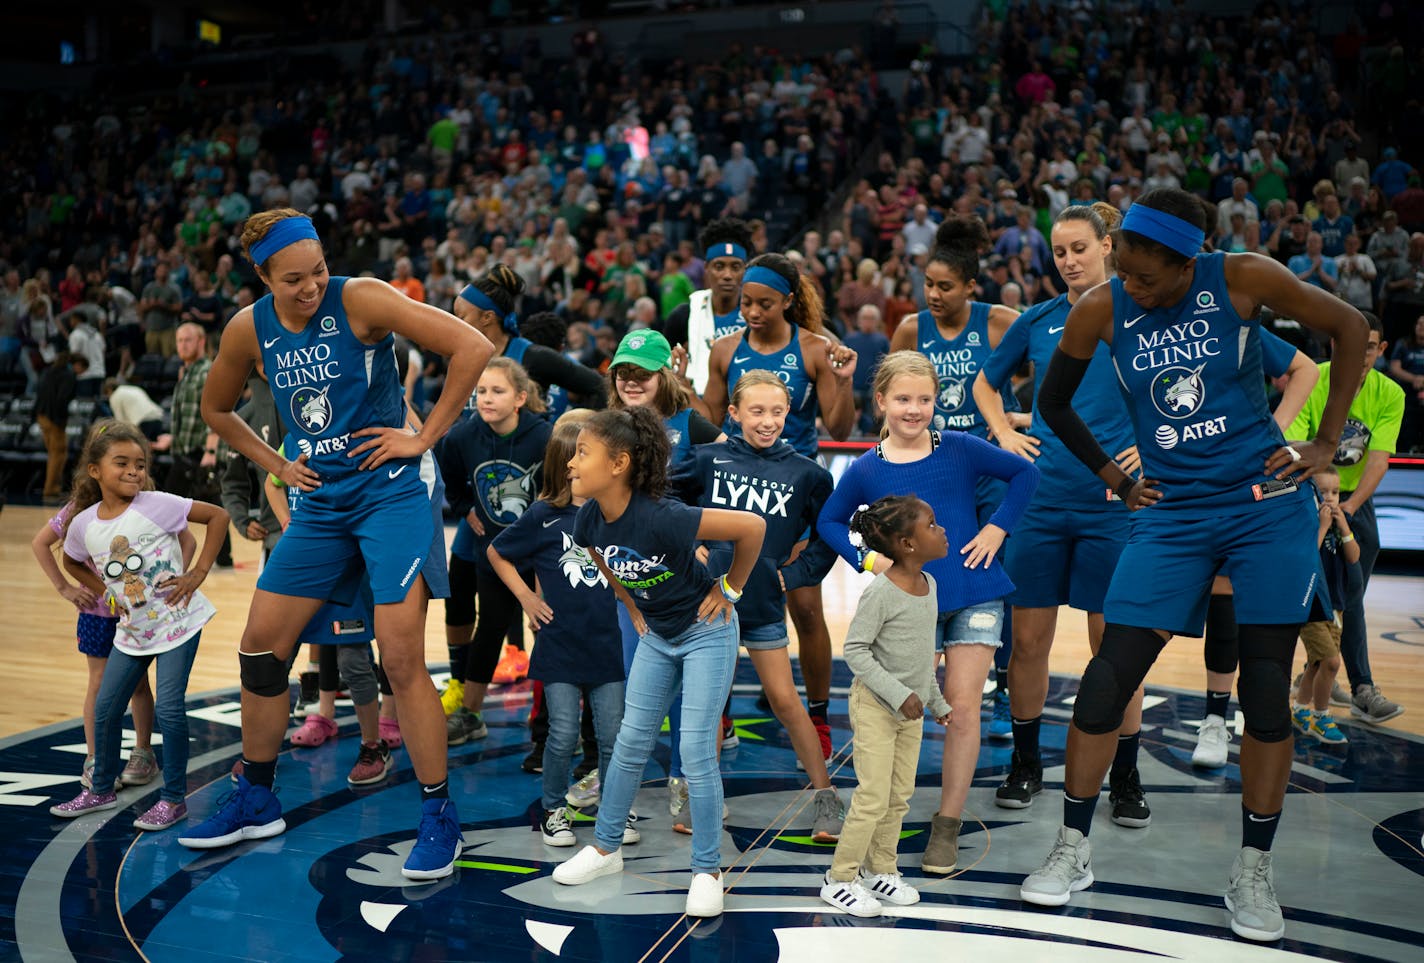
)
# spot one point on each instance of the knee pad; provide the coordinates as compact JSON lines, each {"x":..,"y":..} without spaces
{"x":263,"y":674}
{"x":1264,"y":686}
{"x":1100,"y":704}
{"x":1221,"y":634}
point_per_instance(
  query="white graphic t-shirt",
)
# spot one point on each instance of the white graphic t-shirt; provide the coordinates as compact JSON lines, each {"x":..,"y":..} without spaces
{"x":135,"y":553}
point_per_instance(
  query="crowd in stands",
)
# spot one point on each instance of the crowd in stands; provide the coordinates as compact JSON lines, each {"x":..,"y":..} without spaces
{"x":590,"y":175}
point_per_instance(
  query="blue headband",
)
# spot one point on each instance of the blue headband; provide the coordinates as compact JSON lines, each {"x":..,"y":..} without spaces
{"x":725,"y":249}
{"x":765,"y":275}
{"x":484,"y":302}
{"x":285,"y":232}
{"x":1166,"y":229}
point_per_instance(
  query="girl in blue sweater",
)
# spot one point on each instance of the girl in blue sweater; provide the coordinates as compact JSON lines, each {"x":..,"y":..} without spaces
{"x":944,"y":469}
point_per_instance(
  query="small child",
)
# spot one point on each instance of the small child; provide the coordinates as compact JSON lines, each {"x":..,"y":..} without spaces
{"x":131,"y":537}
{"x":579,"y":651}
{"x":890,"y":648}
{"x":1339,"y":552}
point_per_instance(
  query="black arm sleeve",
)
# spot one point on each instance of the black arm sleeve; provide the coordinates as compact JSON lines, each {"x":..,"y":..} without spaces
{"x":549,"y":367}
{"x":1055,"y":404}
{"x":674,"y":326}
{"x":702,"y":431}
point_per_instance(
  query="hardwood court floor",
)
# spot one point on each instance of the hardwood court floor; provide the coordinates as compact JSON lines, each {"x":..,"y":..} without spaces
{"x":43,"y":676}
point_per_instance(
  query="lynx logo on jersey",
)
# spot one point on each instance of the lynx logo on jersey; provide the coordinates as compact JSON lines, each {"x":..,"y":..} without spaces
{"x":577,"y":565}
{"x":1179,"y":392}
{"x":951,"y":393}
{"x":311,"y":409}
{"x":505,"y":489}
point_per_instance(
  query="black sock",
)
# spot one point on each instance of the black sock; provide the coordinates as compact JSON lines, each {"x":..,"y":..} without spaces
{"x":1001,"y":679}
{"x":260,"y":773}
{"x":1217,"y":703}
{"x":1078,"y":813}
{"x":1026,"y":737}
{"x":458,"y":655}
{"x":817,"y":709}
{"x":439,"y":790}
{"x":1125,"y":760}
{"x":1258,"y":831}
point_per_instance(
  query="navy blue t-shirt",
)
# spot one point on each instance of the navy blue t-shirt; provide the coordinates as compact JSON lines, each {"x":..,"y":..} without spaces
{"x":582,"y":645}
{"x":649,"y":549}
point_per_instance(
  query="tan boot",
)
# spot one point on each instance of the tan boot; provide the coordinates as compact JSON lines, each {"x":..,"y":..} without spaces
{"x":942,"y":851}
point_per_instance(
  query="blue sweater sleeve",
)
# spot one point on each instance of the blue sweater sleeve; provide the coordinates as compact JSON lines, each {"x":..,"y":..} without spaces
{"x":1011,"y":352}
{"x":834,"y":522}
{"x":1019,"y":472}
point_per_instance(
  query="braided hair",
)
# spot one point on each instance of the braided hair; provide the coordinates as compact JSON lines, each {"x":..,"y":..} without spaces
{"x":882,"y":524}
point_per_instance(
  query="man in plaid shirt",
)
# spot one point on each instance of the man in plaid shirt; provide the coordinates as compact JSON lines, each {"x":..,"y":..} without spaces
{"x":194,"y":473}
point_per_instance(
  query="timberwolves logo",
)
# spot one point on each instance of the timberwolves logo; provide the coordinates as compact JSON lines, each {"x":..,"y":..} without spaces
{"x":636,"y":342}
{"x":1178,"y":392}
{"x":636,"y":572}
{"x":951,"y":393}
{"x":1354,"y":442}
{"x":577,"y":565}
{"x":505,"y":489}
{"x":311,"y":409}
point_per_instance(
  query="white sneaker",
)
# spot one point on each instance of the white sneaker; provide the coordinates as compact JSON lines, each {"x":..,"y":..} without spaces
{"x":1067,"y":870}
{"x":1251,"y":898}
{"x":630,"y":829}
{"x":556,"y":828}
{"x":1212,"y":741}
{"x":587,"y":865}
{"x":704,"y":896}
{"x":850,"y":896}
{"x":889,"y":888}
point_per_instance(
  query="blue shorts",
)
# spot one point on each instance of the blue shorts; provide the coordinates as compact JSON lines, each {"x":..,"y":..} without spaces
{"x":336,"y":623}
{"x":1267,"y":549}
{"x":388,"y":526}
{"x":765,"y":637}
{"x":980,"y":624}
{"x":1061,"y":557}
{"x":95,"y":634}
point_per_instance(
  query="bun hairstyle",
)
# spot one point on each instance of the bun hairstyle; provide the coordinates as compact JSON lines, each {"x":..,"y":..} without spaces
{"x":638,"y":432}
{"x":726,"y":230}
{"x":520,"y":381}
{"x":1102,"y":216}
{"x":103,"y":435}
{"x":558,"y":453}
{"x":545,"y":328}
{"x":503,"y":285}
{"x":805,"y":310}
{"x":882,"y":524}
{"x":1179,"y":203}
{"x":958,"y":243}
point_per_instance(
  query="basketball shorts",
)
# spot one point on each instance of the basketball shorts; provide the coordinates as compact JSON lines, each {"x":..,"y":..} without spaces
{"x":1064,"y":557}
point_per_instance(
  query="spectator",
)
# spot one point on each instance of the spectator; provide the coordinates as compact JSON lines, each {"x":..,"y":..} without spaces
{"x":1239,"y":202}
{"x":1388,"y":244}
{"x":1313,"y":267}
{"x":870,"y":343}
{"x":1026,"y":242}
{"x":919,"y":230}
{"x":1392,"y":174}
{"x":204,"y":308}
{"x":674,"y":287}
{"x":865,"y":289}
{"x":405,"y":280}
{"x":131,"y":404}
{"x":1357,"y":275}
{"x":1406,"y":365}
{"x":194,"y":446}
{"x":1332,"y":225}
{"x":159,"y":307}
{"x":86,"y":342}
{"x":55,"y":392}
{"x":37,"y":332}
{"x":1409,"y":205}
{"x":739,"y":176}
{"x":1403,"y":289}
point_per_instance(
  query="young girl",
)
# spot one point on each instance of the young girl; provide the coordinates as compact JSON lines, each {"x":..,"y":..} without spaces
{"x":686,"y":623}
{"x":783,"y":312}
{"x":131,"y":537}
{"x":944,"y":468}
{"x":342,"y":634}
{"x":493,"y":467}
{"x":578,"y":653}
{"x":890,"y":648}
{"x":758,"y":472}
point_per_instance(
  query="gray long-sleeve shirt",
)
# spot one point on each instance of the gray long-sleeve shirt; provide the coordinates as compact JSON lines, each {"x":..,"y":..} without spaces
{"x":890,"y":645}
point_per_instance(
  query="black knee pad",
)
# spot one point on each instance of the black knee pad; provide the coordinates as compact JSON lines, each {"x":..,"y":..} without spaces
{"x":1221,"y":634}
{"x":1263,"y":688}
{"x":263,"y":674}
{"x":1101,"y":702}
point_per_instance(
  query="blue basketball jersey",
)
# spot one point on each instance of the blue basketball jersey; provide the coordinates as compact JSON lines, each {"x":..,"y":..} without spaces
{"x":725,"y":324}
{"x":788,"y":365}
{"x":327,"y":384}
{"x":1066,"y":482}
{"x":1192,"y":375}
{"x":957,"y":362}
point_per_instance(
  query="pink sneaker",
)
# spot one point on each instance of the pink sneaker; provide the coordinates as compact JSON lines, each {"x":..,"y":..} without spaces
{"x":161,"y":815}
{"x":315,"y":730}
{"x":237,"y":769}
{"x":390,"y":733}
{"x":372,"y":764}
{"x":86,"y":802}
{"x":141,"y":770}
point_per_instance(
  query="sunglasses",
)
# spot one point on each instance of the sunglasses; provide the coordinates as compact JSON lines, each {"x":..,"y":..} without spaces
{"x":116,"y":568}
{"x":631,"y":372}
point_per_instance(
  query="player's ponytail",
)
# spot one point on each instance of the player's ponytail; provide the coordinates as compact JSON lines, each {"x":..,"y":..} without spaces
{"x":958,"y":243}
{"x":805,"y":310}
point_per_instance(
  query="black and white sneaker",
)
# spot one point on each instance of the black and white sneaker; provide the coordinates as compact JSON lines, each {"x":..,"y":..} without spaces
{"x":850,"y":896}
{"x":1129,"y":802}
{"x":556,"y":828}
{"x":1024,"y":781}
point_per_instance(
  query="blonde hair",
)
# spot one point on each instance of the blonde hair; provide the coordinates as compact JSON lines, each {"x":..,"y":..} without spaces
{"x":562,"y":443}
{"x":520,"y":381}
{"x":865,"y":271}
{"x":902,"y":364}
{"x":753,"y":378}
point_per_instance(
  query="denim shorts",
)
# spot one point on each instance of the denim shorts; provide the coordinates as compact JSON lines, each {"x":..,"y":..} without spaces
{"x":765,"y":637}
{"x":979,"y":624}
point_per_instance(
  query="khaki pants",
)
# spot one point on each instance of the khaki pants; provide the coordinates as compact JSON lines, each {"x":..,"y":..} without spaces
{"x":887,"y":754}
{"x":163,"y":342}
{"x":57,"y":446}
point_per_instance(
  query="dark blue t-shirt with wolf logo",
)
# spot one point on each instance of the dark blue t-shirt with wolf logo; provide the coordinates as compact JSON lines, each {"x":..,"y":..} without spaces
{"x":649,"y":549}
{"x":498,"y":476}
{"x":582,"y":645}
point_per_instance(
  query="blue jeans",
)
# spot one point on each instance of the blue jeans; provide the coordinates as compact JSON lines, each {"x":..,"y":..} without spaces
{"x":630,"y":646}
{"x":121,"y":676}
{"x":702,"y":659}
{"x":565,"y":719}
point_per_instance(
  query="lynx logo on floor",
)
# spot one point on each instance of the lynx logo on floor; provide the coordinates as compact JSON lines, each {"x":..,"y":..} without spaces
{"x":330,"y":887}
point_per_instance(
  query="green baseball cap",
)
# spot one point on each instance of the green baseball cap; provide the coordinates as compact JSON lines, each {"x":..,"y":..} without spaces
{"x":647,"y":349}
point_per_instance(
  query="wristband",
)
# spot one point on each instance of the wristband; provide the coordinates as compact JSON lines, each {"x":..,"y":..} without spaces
{"x":728,"y":592}
{"x":1347,"y":539}
{"x":1124,"y":487}
{"x":868,"y":563}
